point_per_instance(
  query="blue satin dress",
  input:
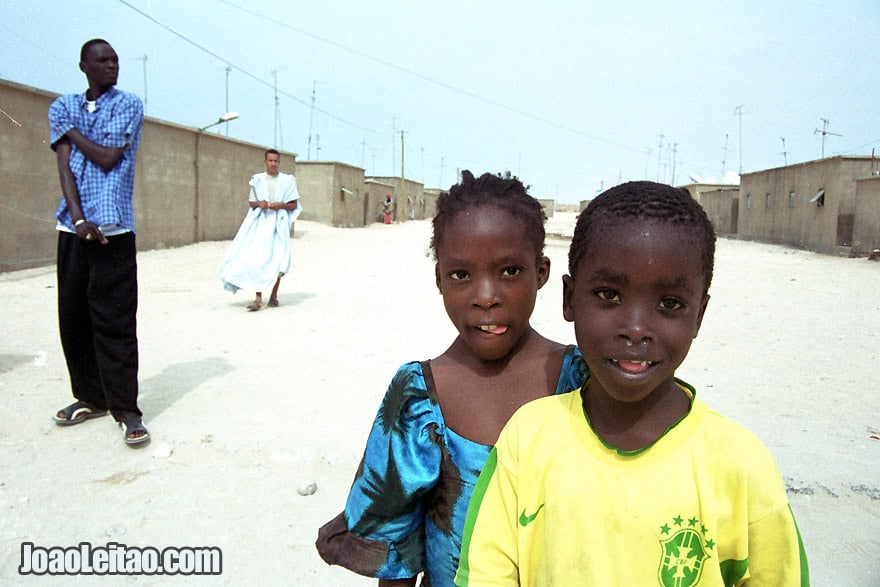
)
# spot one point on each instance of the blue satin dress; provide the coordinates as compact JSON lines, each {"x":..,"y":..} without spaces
{"x":406,"y":509}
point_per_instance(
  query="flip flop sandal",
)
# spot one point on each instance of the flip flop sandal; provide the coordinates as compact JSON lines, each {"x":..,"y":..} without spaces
{"x":77,"y":412}
{"x":253,"y":307}
{"x":273,"y":303}
{"x":130,"y":424}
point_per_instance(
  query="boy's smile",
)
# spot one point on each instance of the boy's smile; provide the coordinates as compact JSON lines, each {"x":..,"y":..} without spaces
{"x":489,"y":275}
{"x":637,"y":302}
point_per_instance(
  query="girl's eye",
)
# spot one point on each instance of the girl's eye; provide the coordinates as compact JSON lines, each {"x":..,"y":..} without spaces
{"x":512,"y":270}
{"x":609,"y":295}
{"x":670,"y":304}
{"x":460,"y":274}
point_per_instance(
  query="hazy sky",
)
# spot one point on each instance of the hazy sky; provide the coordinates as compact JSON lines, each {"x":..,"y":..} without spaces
{"x":571,"y":96}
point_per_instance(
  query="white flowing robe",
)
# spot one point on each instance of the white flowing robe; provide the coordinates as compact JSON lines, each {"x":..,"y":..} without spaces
{"x":260,"y":251}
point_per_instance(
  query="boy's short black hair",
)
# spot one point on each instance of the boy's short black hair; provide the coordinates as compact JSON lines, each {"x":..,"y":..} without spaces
{"x":271,"y":152}
{"x":638,"y":200}
{"x":502,"y":191}
{"x":88,"y":45}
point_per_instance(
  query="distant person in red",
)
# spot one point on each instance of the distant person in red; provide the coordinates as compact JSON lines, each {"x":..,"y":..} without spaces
{"x":388,"y":208}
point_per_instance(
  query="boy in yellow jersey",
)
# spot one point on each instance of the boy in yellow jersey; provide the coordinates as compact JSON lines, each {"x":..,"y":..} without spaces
{"x":632,"y":480}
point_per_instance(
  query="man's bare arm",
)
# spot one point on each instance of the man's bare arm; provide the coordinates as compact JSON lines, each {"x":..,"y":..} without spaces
{"x":290,"y":206}
{"x":105,"y":157}
{"x":69,"y":189}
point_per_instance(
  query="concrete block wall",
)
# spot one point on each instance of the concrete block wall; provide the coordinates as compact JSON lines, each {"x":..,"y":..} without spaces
{"x":189,"y":185}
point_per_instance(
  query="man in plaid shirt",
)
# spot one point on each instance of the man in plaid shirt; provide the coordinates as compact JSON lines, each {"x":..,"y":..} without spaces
{"x":95,"y":136}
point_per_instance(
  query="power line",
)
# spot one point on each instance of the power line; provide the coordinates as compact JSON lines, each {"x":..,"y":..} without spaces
{"x":304,"y":102}
{"x":431,"y":80}
{"x":241,"y":69}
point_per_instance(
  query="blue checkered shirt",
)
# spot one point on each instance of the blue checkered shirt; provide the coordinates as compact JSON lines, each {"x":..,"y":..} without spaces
{"x":105,"y":196}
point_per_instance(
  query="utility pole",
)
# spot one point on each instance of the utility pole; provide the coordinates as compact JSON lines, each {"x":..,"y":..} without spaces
{"x":659,"y":152}
{"x":226,"y":124}
{"x":738,"y":111}
{"x":277,"y":109}
{"x":784,"y":152}
{"x":393,"y":147}
{"x":824,"y":132}
{"x":144,"y":59}
{"x":403,"y":198}
{"x":674,"y":151}
{"x":442,"y":162}
{"x":724,"y":151}
{"x":311,"y":117}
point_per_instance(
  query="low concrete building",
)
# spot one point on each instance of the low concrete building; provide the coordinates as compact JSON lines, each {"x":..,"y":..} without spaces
{"x":812,"y":205}
{"x":409,"y":202}
{"x":697,"y":190}
{"x":549,"y":206}
{"x":375,"y":191}
{"x":866,"y":229}
{"x":722,"y":208}
{"x":333,"y":193}
{"x":431,"y":195}
{"x":341,"y":195}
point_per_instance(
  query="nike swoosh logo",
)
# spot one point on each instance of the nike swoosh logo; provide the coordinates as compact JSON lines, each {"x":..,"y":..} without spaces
{"x":525,"y":520}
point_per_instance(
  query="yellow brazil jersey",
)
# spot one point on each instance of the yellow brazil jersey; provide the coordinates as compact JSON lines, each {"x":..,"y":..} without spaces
{"x":703,"y":506}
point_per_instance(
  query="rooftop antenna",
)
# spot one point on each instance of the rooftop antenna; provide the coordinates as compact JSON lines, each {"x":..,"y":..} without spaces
{"x":784,"y":152}
{"x":311,"y":117}
{"x":824,"y":132}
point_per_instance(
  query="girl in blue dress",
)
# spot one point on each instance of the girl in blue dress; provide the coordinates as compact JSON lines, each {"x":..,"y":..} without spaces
{"x":405,"y":513}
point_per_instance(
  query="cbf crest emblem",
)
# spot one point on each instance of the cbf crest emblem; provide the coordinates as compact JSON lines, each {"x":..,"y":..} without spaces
{"x":685,"y":550}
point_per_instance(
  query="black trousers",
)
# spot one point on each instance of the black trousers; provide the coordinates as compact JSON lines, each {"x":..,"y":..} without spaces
{"x":97,"y":318}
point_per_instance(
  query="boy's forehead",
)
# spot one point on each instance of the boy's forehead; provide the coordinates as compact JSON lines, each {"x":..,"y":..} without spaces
{"x":646,"y":229}
{"x":645,"y":236}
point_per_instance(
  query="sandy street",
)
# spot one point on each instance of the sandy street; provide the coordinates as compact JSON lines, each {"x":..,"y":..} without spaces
{"x":247,"y":408}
